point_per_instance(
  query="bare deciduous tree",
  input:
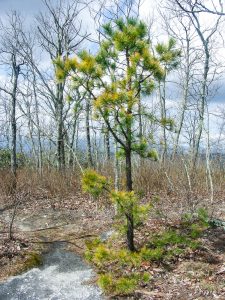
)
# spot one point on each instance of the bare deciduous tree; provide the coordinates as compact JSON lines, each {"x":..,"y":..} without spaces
{"x":10,"y":40}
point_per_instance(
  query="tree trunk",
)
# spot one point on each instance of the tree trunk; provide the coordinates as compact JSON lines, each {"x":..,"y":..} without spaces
{"x":107,"y":144}
{"x":129,"y":215}
{"x":162,"y":96}
{"x":60,"y":127}
{"x":13,"y":125}
{"x":40,"y":150}
{"x":202,"y":104}
{"x":71,"y":155}
{"x":116,"y":168}
{"x":88,"y":134}
{"x":140,"y":127}
{"x":185,"y":95}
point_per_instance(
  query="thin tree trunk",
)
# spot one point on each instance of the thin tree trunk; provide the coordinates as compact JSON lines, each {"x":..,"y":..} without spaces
{"x":204,"y":88}
{"x":60,"y":127}
{"x":185,"y":96}
{"x":88,"y":134}
{"x":40,"y":151}
{"x":96,"y":151}
{"x":14,"y":125}
{"x":31,"y":130}
{"x":208,"y":164}
{"x":162,"y":96}
{"x":129,"y":182}
{"x":202,"y":107}
{"x":71,"y":154}
{"x":107,"y":143}
{"x":129,"y":215}
{"x":116,"y":168}
{"x":140,"y":126}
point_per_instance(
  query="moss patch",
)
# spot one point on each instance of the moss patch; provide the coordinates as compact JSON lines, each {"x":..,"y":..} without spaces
{"x":32,"y":260}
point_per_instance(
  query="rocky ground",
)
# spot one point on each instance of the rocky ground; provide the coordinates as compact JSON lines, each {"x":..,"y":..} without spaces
{"x":40,"y":221}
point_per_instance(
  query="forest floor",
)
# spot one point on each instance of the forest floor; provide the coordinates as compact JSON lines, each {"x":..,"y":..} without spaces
{"x":41,"y":220}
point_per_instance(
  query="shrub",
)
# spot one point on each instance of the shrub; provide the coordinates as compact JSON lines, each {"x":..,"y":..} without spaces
{"x":105,"y":282}
{"x":169,"y":237}
{"x":93,"y":183}
{"x":125,"y":285}
{"x":5,"y":159}
{"x":152,"y":254}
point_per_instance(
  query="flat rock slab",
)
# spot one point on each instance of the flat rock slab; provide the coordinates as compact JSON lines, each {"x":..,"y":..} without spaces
{"x":62,"y":277}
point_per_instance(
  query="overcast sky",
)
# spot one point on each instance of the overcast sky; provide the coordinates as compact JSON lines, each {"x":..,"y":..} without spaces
{"x":25,"y":6}
{"x":29,"y":8}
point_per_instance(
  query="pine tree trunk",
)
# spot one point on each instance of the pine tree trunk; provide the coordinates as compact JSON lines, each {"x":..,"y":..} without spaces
{"x":129,"y":215}
{"x":88,"y":134}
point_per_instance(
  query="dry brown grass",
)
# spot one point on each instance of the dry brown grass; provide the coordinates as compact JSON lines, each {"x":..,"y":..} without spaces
{"x":178,"y":188}
{"x":52,"y":184}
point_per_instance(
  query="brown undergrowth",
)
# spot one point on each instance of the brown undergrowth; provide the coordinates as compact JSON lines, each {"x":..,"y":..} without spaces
{"x":55,"y":200}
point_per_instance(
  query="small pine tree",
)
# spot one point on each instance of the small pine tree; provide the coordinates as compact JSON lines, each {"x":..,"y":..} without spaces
{"x":122,"y":70}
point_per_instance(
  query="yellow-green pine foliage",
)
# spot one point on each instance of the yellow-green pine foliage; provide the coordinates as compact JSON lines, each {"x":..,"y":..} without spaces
{"x":115,"y":77}
{"x":127,"y":203}
{"x":169,"y":55}
{"x":60,"y":71}
{"x":93,"y":183}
